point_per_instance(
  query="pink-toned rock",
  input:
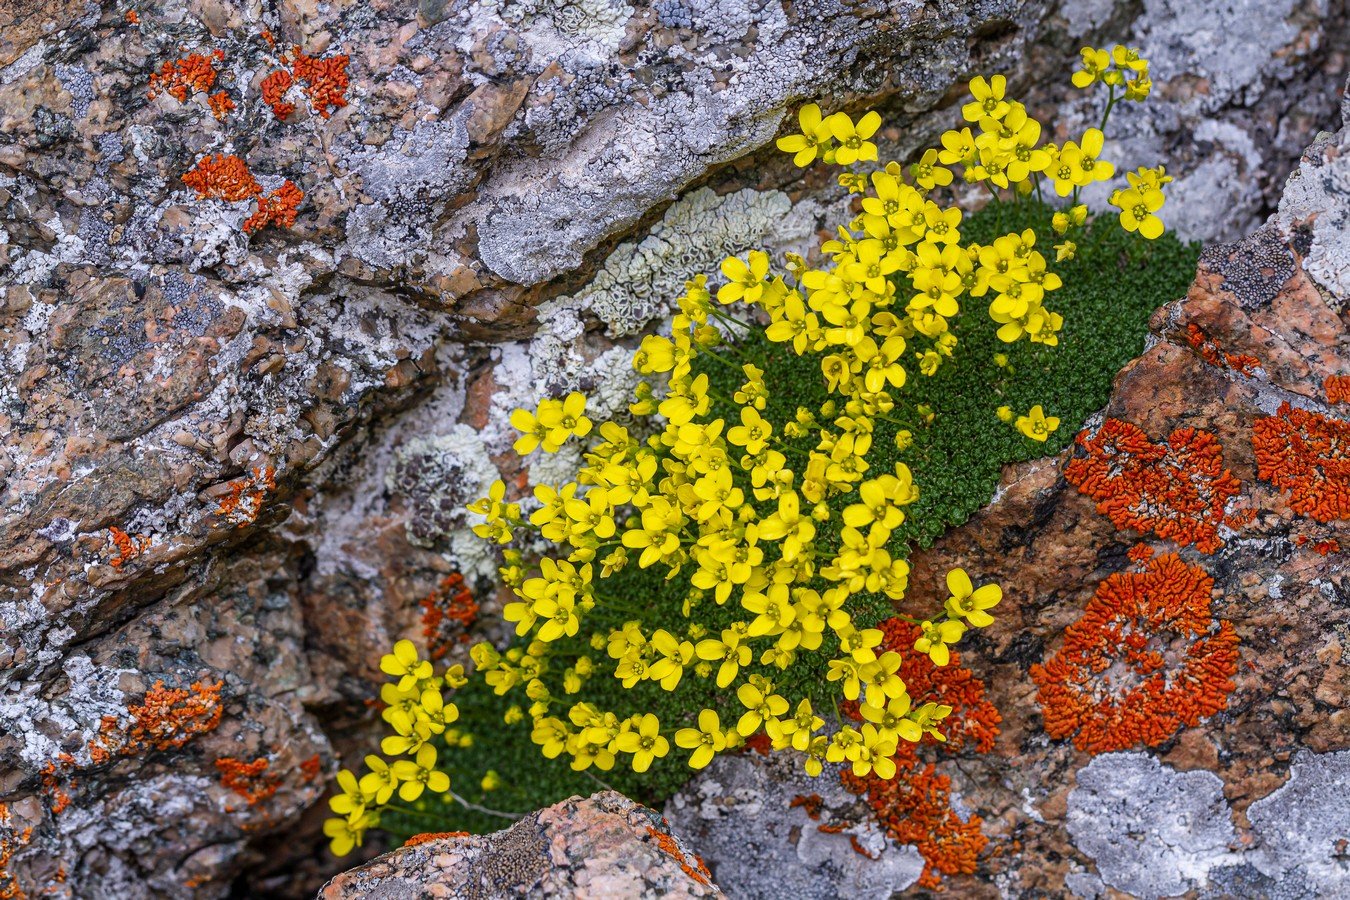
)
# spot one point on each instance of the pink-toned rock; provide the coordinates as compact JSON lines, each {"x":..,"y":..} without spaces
{"x":606,"y":847}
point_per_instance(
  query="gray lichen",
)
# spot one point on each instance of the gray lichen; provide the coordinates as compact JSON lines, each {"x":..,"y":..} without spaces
{"x":1152,"y":831}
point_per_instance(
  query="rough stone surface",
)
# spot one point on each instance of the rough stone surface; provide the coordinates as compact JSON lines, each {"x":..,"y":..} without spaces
{"x":602,"y":847}
{"x":210,"y":434}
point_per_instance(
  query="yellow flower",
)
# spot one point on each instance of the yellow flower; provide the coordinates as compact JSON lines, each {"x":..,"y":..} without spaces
{"x":854,"y":145}
{"x":706,"y":740}
{"x":969,"y":602}
{"x":1036,"y":424}
{"x":564,"y":419}
{"x":346,"y":833}
{"x":934,"y":638}
{"x":760,"y":707}
{"x":404,"y":664}
{"x":989,"y":101}
{"x":1138,"y":208}
{"x":927,"y":173}
{"x":644,"y":742}
{"x":353,"y":799}
{"x":1095,"y":63}
{"x":379,"y":783}
{"x":745,"y":282}
{"x":1079,"y":164}
{"x":420,"y":773}
{"x":1005,"y":414}
{"x":814,"y":137}
{"x":1065,"y":251}
{"x":491,"y":780}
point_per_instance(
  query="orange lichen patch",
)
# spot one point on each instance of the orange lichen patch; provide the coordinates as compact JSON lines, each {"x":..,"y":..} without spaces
{"x":55,"y":779}
{"x":1213,"y":353}
{"x":274,"y":88}
{"x":181,"y":77}
{"x":133,"y":17}
{"x":812,"y":803}
{"x":759,"y":742}
{"x":166,"y":719}
{"x":859,"y":849}
{"x":1305,"y":453}
{"x":671,"y":847}
{"x":310,"y":768}
{"x":1140,"y":553}
{"x":447,"y":614}
{"x":125,"y":547}
{"x":249,"y":780}
{"x":417,"y":839}
{"x":242,"y":504}
{"x":221,"y":104}
{"x":915,"y":808}
{"x":974,"y":720}
{"x":277,"y":208}
{"x":1178,"y":489}
{"x":1322,"y":548}
{"x":12,"y":840}
{"x":1145,"y":659}
{"x":222,"y":177}
{"x":325,"y":81}
{"x":1337,"y":388}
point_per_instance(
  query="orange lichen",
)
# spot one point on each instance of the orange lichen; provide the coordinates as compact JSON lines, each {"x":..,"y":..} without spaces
{"x":221,"y":104}
{"x":1337,"y":388}
{"x":249,"y":780}
{"x":812,"y":803}
{"x":1331,"y":545}
{"x":974,"y":720}
{"x":417,"y":839}
{"x":1178,"y":489}
{"x":325,"y":79}
{"x":126,"y":546}
{"x":1145,"y":659}
{"x":133,"y":17}
{"x":311,"y":768}
{"x":915,"y":808}
{"x":222,"y":177}
{"x":1140,"y":553}
{"x":277,"y":208}
{"x":181,"y":77}
{"x":447,"y":614}
{"x":274,"y":88}
{"x":242,"y":504}
{"x":1305,"y":453}
{"x":1213,"y":353}
{"x":759,"y":742}
{"x":166,"y":719}
{"x":12,"y":840}
{"x":55,"y":779}
{"x":671,"y":847}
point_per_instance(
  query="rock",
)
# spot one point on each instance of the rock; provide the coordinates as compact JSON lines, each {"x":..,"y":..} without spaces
{"x":600,"y":847}
{"x":397,"y":225}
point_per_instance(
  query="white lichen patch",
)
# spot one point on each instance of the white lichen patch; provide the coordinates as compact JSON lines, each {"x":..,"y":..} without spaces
{"x":641,"y":280}
{"x":1152,"y":831}
{"x":1304,"y":826}
{"x":46,"y":726}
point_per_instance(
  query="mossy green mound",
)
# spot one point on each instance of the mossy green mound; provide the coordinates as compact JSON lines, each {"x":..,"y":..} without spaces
{"x":1109,"y":292}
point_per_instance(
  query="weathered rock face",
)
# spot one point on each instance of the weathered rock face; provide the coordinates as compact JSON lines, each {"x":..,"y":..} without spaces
{"x":1170,"y":661}
{"x":606,"y":846}
{"x":271,"y":275}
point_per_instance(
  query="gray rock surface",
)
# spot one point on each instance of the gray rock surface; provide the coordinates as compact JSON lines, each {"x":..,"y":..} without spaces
{"x":208,"y":431}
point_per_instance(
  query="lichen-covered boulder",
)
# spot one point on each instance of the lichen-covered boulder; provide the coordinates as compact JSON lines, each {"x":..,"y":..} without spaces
{"x":606,"y":846}
{"x":271,"y":277}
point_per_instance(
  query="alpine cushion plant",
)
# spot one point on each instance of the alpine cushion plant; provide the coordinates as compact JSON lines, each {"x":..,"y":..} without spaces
{"x":781,"y":519}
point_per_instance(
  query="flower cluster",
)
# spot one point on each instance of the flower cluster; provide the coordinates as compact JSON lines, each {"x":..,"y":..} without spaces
{"x":779,"y":516}
{"x":416,"y":710}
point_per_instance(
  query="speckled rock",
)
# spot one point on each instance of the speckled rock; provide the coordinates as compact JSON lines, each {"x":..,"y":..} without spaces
{"x":220,"y":405}
{"x":606,"y":846}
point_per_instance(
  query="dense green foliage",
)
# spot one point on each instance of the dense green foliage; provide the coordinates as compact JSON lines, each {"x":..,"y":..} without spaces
{"x":1109,"y":292}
